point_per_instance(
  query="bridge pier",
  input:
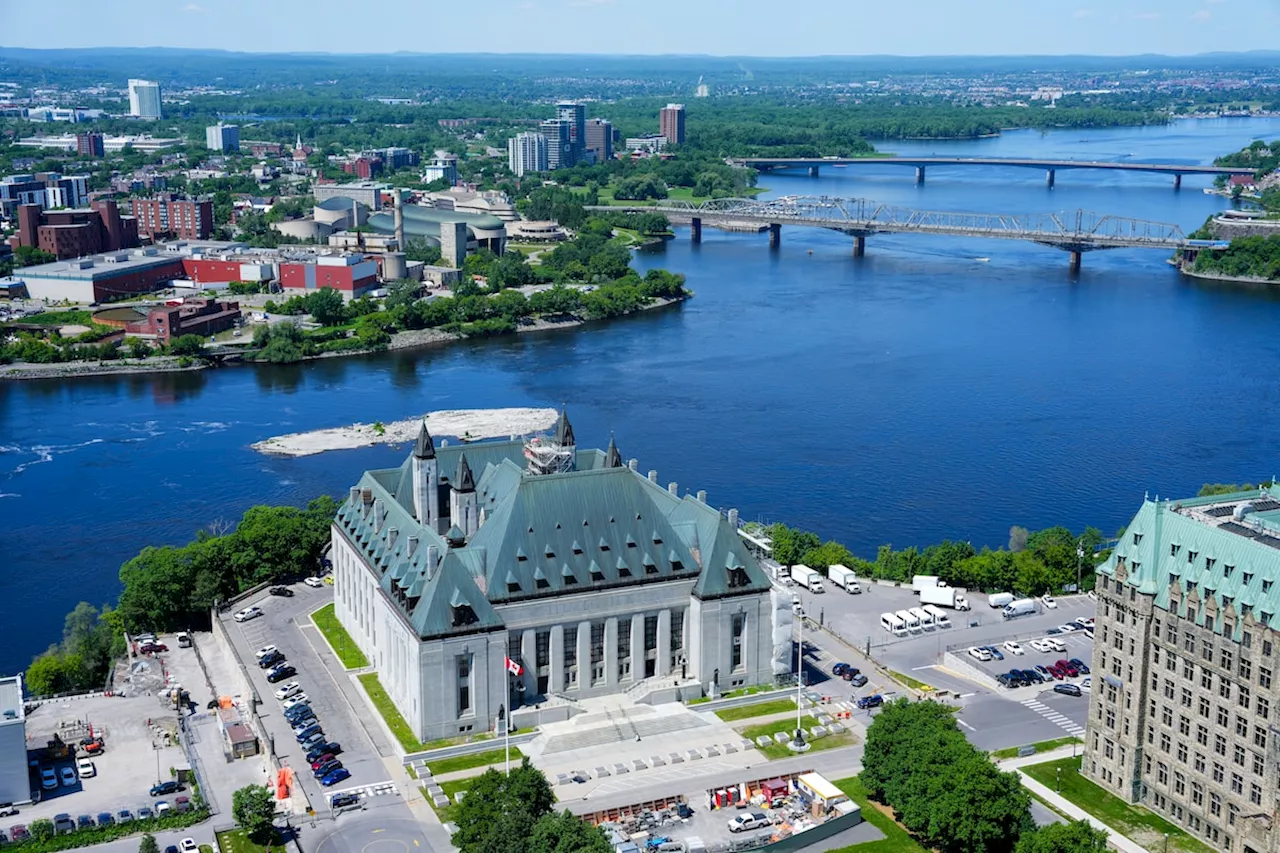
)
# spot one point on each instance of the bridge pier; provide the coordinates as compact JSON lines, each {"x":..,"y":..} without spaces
{"x":919,"y":175}
{"x":859,"y":246}
{"x":813,"y":171}
{"x":1049,"y":177}
{"x":1177,"y":182}
{"x":775,"y":235}
{"x":695,"y":229}
{"x":1075,"y":261}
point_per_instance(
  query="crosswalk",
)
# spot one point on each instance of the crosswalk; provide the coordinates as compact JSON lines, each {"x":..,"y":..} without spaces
{"x":1063,"y":722}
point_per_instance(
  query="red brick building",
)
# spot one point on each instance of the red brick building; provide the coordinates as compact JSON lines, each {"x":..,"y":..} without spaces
{"x":202,"y":317}
{"x":350,"y":275}
{"x":168,"y":215}
{"x":364,"y":167}
{"x":75,"y":233}
{"x":89,"y":145}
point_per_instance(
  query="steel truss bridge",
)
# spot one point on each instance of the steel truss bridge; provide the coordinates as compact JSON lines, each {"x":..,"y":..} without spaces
{"x":1075,"y":232}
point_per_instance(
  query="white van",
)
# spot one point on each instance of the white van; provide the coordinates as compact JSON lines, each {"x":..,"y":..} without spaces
{"x":893,"y":624}
{"x":912,"y":623}
{"x":939,"y":615}
{"x":925,"y":617}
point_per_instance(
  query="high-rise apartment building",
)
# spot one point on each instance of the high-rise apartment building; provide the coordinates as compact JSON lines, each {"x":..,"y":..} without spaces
{"x":144,"y":99}
{"x":48,"y":190}
{"x":90,"y":145}
{"x":671,"y":123}
{"x":600,"y":139}
{"x":169,"y":215}
{"x":527,"y":152}
{"x":576,"y":116}
{"x":222,"y":137}
{"x":1185,"y":701}
{"x":559,"y":134}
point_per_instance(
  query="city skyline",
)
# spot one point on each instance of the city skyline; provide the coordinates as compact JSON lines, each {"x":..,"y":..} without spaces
{"x":919,"y":28}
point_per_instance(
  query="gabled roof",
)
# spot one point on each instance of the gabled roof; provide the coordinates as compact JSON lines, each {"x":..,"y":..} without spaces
{"x":424,"y":447}
{"x":564,"y":431}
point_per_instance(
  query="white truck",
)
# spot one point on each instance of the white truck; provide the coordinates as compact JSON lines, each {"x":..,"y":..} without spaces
{"x":945,"y":596}
{"x":782,"y":575}
{"x":923,"y":582}
{"x":810,"y":579}
{"x":1021,"y":607}
{"x":843,"y":577}
{"x":1000,"y":599}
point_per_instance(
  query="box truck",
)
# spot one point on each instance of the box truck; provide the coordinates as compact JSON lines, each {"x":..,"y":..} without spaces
{"x":1000,"y":599}
{"x":922,"y":582}
{"x":1021,"y":607}
{"x":810,"y":579}
{"x":843,"y":577}
{"x":945,"y":596}
{"x":782,"y":575}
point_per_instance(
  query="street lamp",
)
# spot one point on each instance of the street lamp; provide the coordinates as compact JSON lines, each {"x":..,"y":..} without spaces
{"x":1059,"y":780}
{"x":1166,"y":842}
{"x":1079,"y":563}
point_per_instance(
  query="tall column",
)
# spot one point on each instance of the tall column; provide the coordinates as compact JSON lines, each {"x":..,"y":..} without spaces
{"x":529,"y":659}
{"x":695,"y":229}
{"x":1049,"y":178}
{"x":775,"y":235}
{"x":663,"y":666}
{"x":637,"y":647}
{"x":1075,"y":261}
{"x":813,"y":171}
{"x":556,"y":652}
{"x":584,"y":655}
{"x":919,"y":175}
{"x":611,"y":651}
{"x":859,"y":246}
{"x":1177,"y":182}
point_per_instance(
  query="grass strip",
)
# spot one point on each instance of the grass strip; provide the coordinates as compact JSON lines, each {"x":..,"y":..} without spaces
{"x":495,"y":757}
{"x":1039,"y":746}
{"x":338,"y":638}
{"x":746,"y":712}
{"x":390,"y":714}
{"x":896,"y":839}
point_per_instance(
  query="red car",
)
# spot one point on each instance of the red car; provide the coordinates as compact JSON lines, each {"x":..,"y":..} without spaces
{"x":19,"y":833}
{"x":322,"y":760}
{"x":1056,"y":672}
{"x":152,"y":648}
{"x":1068,"y":667}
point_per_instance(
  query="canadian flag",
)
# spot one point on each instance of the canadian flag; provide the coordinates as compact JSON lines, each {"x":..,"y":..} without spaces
{"x":514,"y":668}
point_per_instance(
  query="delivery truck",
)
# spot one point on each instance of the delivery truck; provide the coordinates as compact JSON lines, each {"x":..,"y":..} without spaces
{"x":945,"y":596}
{"x":923,"y":582}
{"x":810,"y":579}
{"x":1000,"y":599}
{"x":843,"y":577}
{"x":1021,"y":607}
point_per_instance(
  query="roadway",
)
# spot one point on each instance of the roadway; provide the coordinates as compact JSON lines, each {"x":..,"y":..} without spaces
{"x":768,"y":163}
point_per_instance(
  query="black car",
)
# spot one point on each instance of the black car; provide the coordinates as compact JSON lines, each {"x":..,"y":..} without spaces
{"x":297,"y":711}
{"x":333,"y":748}
{"x":839,"y":668}
{"x":326,"y":767}
{"x":849,"y":673}
{"x":873,"y":701}
{"x":1080,"y":665}
{"x":280,"y":673}
{"x":162,"y":788}
{"x":1032,"y":677}
{"x":1067,"y":689}
{"x":270,"y":659}
{"x":342,"y":800}
{"x":281,"y":590}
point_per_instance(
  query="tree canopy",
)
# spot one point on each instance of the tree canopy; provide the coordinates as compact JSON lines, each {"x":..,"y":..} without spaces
{"x":254,"y":809}
{"x":513,"y":814}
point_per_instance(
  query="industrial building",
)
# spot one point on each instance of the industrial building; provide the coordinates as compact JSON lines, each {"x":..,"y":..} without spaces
{"x":110,"y":144}
{"x":522,"y":573}
{"x":1185,"y":662}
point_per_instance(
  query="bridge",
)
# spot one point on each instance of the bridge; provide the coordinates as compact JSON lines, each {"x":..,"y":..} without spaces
{"x":1051,"y":167}
{"x":1074,"y":232}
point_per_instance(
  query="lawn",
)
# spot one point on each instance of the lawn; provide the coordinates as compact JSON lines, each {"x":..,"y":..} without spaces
{"x":746,"y":712}
{"x":913,"y":683}
{"x":395,"y":722}
{"x":1144,"y":827}
{"x":896,"y":839}
{"x":1041,"y":746}
{"x":673,"y":194}
{"x":496,"y":757}
{"x":237,"y":841}
{"x":779,"y":750}
{"x":338,"y":638}
{"x":742,"y":691}
{"x":61,"y":318}
{"x":450,"y":788}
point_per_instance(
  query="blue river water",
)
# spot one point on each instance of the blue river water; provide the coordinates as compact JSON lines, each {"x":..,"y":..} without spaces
{"x":938,"y":387}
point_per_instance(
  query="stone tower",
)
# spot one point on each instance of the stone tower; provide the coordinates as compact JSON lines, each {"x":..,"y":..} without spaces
{"x":426,"y":481}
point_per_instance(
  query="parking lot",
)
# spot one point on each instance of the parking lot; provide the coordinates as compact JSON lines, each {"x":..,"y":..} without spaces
{"x":283,"y":623}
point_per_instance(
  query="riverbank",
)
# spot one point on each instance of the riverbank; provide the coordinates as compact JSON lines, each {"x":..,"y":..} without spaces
{"x":1228,"y":279}
{"x":399,"y":341}
{"x":467,"y":424}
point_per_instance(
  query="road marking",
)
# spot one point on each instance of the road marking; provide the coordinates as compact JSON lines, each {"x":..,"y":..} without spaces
{"x":966,"y":725}
{"x":918,"y":668}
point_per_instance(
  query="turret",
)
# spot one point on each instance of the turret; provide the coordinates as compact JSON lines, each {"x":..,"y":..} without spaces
{"x":426,"y":480}
{"x":464,"y":510}
{"x":612,"y":458}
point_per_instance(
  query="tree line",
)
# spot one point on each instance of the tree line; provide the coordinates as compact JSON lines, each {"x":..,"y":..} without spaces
{"x":1033,"y":563}
{"x":949,"y":795}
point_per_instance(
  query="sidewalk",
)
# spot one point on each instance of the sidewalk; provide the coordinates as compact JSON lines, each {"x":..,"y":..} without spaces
{"x":1116,"y":840}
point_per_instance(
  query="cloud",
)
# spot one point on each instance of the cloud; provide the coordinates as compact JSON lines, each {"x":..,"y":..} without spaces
{"x":1202,"y":16}
{"x":193,"y":8}
{"x":1146,"y":16}
{"x":1083,"y":13}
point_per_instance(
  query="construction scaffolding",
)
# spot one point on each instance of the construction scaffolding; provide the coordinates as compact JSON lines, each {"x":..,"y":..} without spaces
{"x":547,"y":456}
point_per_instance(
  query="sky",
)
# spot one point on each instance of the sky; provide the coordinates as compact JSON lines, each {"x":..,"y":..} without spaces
{"x":717,"y":27}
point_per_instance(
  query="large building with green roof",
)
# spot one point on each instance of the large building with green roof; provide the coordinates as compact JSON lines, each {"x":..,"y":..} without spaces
{"x":1184,"y":714}
{"x":519,"y":573}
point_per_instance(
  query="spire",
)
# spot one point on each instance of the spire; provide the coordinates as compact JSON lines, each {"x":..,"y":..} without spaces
{"x":424,"y":448}
{"x":564,"y":431}
{"x":464,"y":481}
{"x":612,"y":458}
{"x":298,"y":145}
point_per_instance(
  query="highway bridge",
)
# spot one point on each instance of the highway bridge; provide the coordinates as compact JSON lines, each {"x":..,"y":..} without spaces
{"x":1075,"y":232}
{"x":1051,"y":167}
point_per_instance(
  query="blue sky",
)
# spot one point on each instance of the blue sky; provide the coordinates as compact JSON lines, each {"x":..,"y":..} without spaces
{"x":720,"y":27}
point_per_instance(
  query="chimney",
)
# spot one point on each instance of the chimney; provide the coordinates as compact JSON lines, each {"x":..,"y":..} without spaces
{"x":702,"y":496}
{"x":633,"y":464}
{"x":412,"y":545}
{"x":653,"y":476}
{"x":393,"y":533}
{"x":733,"y":518}
{"x":399,"y":221}
{"x":673,"y":488}
{"x":355,"y":495}
{"x":433,"y":557}
{"x":379,"y":515}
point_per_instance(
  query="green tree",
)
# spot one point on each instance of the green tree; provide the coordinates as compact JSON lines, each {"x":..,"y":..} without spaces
{"x":147,"y":844}
{"x":790,"y":544}
{"x":254,"y":809}
{"x":499,"y":813}
{"x":54,"y":672}
{"x":326,"y":306}
{"x":189,"y":345}
{"x":1075,"y":837}
{"x":418,"y":249}
{"x":41,"y":829}
{"x":28,"y":256}
{"x":565,"y":832}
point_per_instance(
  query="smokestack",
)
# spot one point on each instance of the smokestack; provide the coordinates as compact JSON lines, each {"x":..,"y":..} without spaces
{"x":355,"y":224}
{"x":399,"y":220}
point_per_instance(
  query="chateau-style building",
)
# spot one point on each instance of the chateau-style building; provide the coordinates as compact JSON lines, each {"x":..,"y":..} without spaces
{"x":506,"y":573}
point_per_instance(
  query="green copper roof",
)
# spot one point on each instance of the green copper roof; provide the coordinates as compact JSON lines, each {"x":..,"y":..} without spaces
{"x":1198,"y":560}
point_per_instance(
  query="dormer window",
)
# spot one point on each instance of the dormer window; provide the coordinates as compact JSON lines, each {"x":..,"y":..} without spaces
{"x":461,"y":615}
{"x":624,"y":571}
{"x":604,"y":546}
{"x":548,"y":553}
{"x":1209,"y":563}
{"x":577,"y":549}
{"x":521,"y":556}
{"x":1227,"y":570}
{"x":650,"y":567}
{"x":1191,"y":556}
{"x":1137,"y":538}
{"x":738,"y":577}
{"x":657,"y":538}
{"x":631,"y":543}
{"x":597,"y":576}
{"x":540,"y":579}
{"x":1174,"y":549}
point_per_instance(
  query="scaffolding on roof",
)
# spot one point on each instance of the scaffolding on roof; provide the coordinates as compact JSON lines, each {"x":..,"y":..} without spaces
{"x":546,"y":456}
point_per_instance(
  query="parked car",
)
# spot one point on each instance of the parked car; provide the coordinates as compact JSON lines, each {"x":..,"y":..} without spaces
{"x":264,"y":651}
{"x":18,"y":833}
{"x":305,"y":726}
{"x":124,"y":816}
{"x":68,"y":775}
{"x":875,"y":700}
{"x":1081,"y":666}
{"x":280,"y":673}
{"x":1086,"y":683}
{"x":331,"y":748}
{"x":326,"y":768}
{"x":86,"y":769}
{"x":748,"y":821}
{"x":343,"y":800}
{"x":84,"y":821}
{"x":62,"y":824}
{"x":995,"y":653}
{"x":163,"y":808}
{"x":310,"y":732}
{"x":145,"y":813}
{"x":291,"y":689}
{"x":106,"y":819}
{"x":1048,"y":602}
{"x":188,"y":845}
{"x":271,"y":659}
{"x":314,"y":582}
{"x":1044,"y":671}
{"x":153,"y":648}
{"x":1066,"y":689}
{"x":294,"y":719}
{"x":1056,"y":644}
{"x":849,"y":673}
{"x":1013,"y":648}
{"x":1068,"y":628}
{"x":980,"y":653}
{"x":1032,"y":676}
{"x":1068,"y":667}
{"x":248,"y":613}
{"x":282,"y":591}
{"x":48,"y":778}
{"x":172,"y":848}
{"x":333,"y":777}
{"x":162,"y":788}
{"x":1049,"y":632}
{"x":1040,"y":646}
{"x":858,"y":680}
{"x":321,"y":760}
{"x":296,"y":700}
{"x":182,"y":804}
{"x":7,"y":810}
{"x":839,"y":668}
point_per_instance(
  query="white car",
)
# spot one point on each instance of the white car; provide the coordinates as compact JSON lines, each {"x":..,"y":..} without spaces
{"x":296,"y":699}
{"x":1040,"y":646}
{"x":314,"y":582}
{"x":1093,"y":595}
{"x":1055,"y":644}
{"x":1047,"y":601}
{"x":1067,"y":629}
{"x":248,"y":613}
{"x":1013,"y":648}
{"x":85,"y":768}
{"x":68,"y":777}
{"x":979,"y":653}
{"x":293,"y":688}
{"x":1086,"y":683}
{"x":264,"y":651}
{"x":188,"y":845}
{"x":1088,"y":620}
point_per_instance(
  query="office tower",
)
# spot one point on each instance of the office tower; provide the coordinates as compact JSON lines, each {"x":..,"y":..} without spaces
{"x":222,"y":137}
{"x":144,"y":99}
{"x":576,"y":116}
{"x":89,"y":145}
{"x":559,"y":143}
{"x":600,"y":139}
{"x":671,"y":123}
{"x":527,"y":152}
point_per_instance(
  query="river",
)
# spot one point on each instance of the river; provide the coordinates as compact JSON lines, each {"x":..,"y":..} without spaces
{"x":936,"y":388}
